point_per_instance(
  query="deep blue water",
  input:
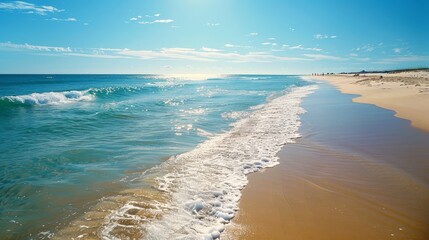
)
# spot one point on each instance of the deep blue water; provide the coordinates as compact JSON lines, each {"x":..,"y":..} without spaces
{"x":68,"y":140}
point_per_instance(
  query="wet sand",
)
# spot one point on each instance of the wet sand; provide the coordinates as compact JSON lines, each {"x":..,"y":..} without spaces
{"x":357,"y":173}
{"x":407,"y":93}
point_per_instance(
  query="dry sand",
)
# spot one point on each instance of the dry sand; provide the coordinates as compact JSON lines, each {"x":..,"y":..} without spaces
{"x":406,"y":93}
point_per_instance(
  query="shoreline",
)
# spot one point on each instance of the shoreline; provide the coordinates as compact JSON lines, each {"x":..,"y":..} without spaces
{"x":406,"y":93}
{"x":339,"y":182}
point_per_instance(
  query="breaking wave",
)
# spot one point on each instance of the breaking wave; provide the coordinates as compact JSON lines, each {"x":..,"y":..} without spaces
{"x":204,"y":185}
{"x":48,"y":98}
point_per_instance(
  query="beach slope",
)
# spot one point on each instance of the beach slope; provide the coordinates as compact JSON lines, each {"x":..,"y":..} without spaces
{"x":358,"y":172}
{"x":406,"y":93}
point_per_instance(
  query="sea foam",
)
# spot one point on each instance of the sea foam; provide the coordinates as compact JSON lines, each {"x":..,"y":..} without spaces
{"x":204,"y":185}
{"x":50,"y":98}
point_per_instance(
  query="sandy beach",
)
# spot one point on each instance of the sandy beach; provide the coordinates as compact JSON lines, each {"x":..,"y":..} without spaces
{"x":346,"y":178}
{"x":406,"y":93}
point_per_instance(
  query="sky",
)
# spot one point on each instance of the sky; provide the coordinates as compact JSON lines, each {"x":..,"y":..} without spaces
{"x":212,"y":36}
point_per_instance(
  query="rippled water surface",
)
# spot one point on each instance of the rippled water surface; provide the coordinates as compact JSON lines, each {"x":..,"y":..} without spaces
{"x":69,"y":141}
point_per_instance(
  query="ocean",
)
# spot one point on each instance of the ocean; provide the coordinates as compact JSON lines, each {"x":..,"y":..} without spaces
{"x":136,"y":156}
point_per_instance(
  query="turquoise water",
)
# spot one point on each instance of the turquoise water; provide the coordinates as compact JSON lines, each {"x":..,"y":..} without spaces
{"x":68,"y":140}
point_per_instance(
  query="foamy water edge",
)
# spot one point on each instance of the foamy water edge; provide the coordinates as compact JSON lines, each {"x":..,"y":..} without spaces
{"x":204,"y":185}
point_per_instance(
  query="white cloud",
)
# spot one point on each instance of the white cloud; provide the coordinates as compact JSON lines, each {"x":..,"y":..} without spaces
{"x":163,"y":21}
{"x":29,"y":7}
{"x":62,"y":19}
{"x":210,"y":49}
{"x":194,"y":55}
{"x":271,"y":39}
{"x":300,"y":47}
{"x":228,"y":45}
{"x":322,"y":57}
{"x":151,"y":22}
{"x":204,"y":54}
{"x":94,"y":55}
{"x":269,"y":43}
{"x":397,"y":50}
{"x":213,"y":24}
{"x":366,"y":48}
{"x":324,"y":36}
{"x":253,"y":34}
{"x":292,"y":29}
{"x":9,"y":45}
{"x":158,"y":21}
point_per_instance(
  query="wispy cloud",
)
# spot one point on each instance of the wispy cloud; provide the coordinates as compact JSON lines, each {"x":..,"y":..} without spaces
{"x":213,"y":24}
{"x":28,"y":7}
{"x":300,"y":47}
{"x":397,"y":50}
{"x":13,"y":46}
{"x":210,"y":49}
{"x":62,"y":19}
{"x":209,"y":56}
{"x":366,"y":48}
{"x":324,"y":36}
{"x":94,"y":55}
{"x":269,"y":43}
{"x":139,"y":19}
{"x":204,"y":54}
{"x":163,"y":21}
{"x":322,"y":57}
{"x":253,"y":34}
{"x":158,"y":21}
{"x":229,"y":45}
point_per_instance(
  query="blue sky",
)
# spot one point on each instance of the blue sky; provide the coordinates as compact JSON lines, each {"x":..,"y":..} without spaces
{"x":212,"y":36}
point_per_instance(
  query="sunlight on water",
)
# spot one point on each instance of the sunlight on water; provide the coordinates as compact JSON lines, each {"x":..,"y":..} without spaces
{"x":82,"y":153}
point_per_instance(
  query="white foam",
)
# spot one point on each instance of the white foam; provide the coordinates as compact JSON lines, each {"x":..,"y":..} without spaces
{"x":52,"y":98}
{"x":203,"y":133}
{"x":254,"y":78}
{"x":196,"y":111}
{"x":234,"y":115}
{"x":173,"y":102}
{"x":188,"y":77}
{"x":205,"y":184}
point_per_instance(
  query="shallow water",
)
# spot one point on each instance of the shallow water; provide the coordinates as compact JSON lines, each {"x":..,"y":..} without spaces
{"x":76,"y":145}
{"x":358,"y":172}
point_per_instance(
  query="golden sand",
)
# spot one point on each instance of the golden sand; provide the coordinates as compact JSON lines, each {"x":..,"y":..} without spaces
{"x":322,"y":190}
{"x":406,"y":93}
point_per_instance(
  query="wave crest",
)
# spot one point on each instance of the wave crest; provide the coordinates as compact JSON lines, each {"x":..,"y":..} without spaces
{"x":49,"y":98}
{"x":204,"y":185}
